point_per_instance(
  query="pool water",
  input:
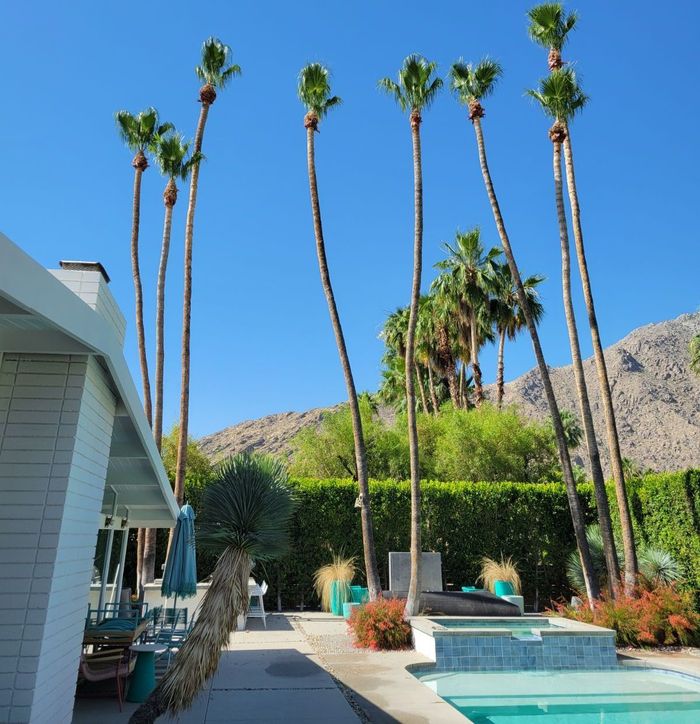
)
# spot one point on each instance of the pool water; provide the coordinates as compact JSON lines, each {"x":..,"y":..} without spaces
{"x":524,"y":627}
{"x":621,"y":696}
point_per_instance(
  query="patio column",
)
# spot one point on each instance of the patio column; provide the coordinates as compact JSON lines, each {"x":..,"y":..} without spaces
{"x":56,"y":419}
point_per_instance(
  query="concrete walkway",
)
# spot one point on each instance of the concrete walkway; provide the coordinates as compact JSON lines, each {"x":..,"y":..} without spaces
{"x":268,"y":675}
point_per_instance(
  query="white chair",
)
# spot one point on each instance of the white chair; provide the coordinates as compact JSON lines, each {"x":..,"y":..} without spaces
{"x":257,"y":608}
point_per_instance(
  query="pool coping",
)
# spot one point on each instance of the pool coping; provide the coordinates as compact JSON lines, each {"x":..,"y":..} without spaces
{"x":555,"y":626}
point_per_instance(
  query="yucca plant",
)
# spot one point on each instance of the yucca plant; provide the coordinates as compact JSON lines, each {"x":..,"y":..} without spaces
{"x":244,"y":516}
{"x":505,"y":570}
{"x":658,"y":567}
{"x":334,"y":579}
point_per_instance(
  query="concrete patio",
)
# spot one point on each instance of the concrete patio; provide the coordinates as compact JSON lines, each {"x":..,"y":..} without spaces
{"x":302,"y":668}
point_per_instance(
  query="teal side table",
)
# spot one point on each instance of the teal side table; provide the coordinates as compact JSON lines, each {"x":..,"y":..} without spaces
{"x":143,"y":679}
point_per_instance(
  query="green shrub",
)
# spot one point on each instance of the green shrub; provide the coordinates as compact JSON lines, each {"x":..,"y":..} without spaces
{"x":467,"y":521}
{"x":380,"y":625}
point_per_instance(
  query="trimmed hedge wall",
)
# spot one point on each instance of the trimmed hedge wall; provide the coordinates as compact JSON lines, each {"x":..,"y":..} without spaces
{"x":463,"y":521}
{"x":466,"y":521}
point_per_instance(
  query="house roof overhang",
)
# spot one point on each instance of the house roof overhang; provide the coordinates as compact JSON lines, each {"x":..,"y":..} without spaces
{"x":40,"y":314}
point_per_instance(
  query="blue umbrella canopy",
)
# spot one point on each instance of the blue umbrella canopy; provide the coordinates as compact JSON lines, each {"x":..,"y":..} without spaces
{"x":180,"y":576}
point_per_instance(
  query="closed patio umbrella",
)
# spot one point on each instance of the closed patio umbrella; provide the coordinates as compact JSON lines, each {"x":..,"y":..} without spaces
{"x":180,"y":576}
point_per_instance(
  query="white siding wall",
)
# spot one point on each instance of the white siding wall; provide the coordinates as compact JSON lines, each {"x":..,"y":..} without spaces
{"x":56,"y":416}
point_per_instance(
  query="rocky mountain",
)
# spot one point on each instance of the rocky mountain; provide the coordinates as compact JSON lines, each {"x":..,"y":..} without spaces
{"x":656,"y":399}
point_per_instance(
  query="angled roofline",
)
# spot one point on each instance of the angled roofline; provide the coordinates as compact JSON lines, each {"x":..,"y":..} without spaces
{"x":30,"y":286}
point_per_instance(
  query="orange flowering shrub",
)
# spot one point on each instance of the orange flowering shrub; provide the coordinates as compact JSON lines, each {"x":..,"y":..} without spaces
{"x":663,"y":616}
{"x":380,"y":625}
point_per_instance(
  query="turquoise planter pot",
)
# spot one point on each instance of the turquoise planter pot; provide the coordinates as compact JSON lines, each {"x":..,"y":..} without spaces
{"x":503,"y":588}
{"x":340,"y":594}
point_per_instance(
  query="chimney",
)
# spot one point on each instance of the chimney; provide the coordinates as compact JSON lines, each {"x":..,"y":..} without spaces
{"x":89,"y":280}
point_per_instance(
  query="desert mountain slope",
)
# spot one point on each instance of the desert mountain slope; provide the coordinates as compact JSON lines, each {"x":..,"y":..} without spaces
{"x":656,"y":398}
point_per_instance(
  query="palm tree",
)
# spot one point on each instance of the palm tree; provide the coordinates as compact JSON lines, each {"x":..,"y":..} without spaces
{"x":244,"y":517}
{"x":214,"y":72}
{"x":509,"y":317}
{"x":476,"y":113}
{"x":560,"y":99}
{"x":694,"y":349}
{"x":172,"y":157}
{"x":416,"y":89}
{"x":426,"y":351}
{"x":315,"y":93}
{"x":572,"y":430}
{"x":549,"y":27}
{"x":140,"y":133}
{"x":451,"y":335}
{"x":474,"y":272}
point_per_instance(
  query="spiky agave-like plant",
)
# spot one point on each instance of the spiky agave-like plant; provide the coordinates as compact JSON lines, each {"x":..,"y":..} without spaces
{"x":245,"y":517}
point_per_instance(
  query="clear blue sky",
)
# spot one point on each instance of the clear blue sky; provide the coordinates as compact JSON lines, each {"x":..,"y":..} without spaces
{"x":261,"y":339}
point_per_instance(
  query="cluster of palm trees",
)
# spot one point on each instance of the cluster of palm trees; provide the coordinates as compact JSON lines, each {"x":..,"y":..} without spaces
{"x":476,"y":297}
{"x":471,"y":302}
{"x":145,"y":135}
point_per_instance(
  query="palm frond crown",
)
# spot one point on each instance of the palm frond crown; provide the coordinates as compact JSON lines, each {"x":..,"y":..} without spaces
{"x":474,"y":82}
{"x":216,"y":69}
{"x":550,"y":25}
{"x":172,"y":156}
{"x":314,"y":90}
{"x":417,"y":85}
{"x":248,"y":508}
{"x":560,"y":95}
{"x":140,"y":131}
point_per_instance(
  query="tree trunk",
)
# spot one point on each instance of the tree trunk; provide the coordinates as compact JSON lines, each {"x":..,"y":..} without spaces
{"x":433,"y":391}
{"x":371,"y":571}
{"x":187,"y":314}
{"x":476,"y":368}
{"x":631,"y":569}
{"x":500,"y":367}
{"x":577,"y":518}
{"x":414,"y":586}
{"x":150,"y":540}
{"x":611,"y":562}
{"x":198,"y":658}
{"x":139,"y":164}
{"x":160,"y":320}
{"x":421,"y":387}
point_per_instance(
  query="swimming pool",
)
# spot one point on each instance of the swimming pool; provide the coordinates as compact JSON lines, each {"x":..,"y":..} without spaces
{"x":525,"y":626}
{"x":619,"y":696}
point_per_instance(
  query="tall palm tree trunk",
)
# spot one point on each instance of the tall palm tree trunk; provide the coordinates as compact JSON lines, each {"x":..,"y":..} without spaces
{"x":187,"y":313}
{"x":579,"y":525}
{"x":631,"y":568}
{"x":433,"y":391}
{"x":169,"y":199}
{"x":421,"y":387}
{"x":611,"y":562}
{"x":140,"y":164}
{"x":500,"y":368}
{"x":414,"y":586}
{"x":370,"y":556}
{"x":476,"y":367}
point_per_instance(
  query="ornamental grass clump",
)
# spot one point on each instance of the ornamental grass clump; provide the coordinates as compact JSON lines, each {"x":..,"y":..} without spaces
{"x":380,"y":625}
{"x":334,"y":579}
{"x":492,"y":571}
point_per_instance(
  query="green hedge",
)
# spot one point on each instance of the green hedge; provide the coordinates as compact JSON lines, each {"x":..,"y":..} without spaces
{"x":463,"y":521}
{"x":466,"y":521}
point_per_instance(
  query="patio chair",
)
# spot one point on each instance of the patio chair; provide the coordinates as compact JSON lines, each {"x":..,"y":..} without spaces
{"x":172,"y":639}
{"x":256,"y":609}
{"x":106,"y":664}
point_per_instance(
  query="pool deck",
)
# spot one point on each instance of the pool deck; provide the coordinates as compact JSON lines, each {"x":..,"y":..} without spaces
{"x":303,"y":668}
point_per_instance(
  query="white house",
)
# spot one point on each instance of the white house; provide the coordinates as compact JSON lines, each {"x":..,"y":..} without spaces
{"x":76,"y":455}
